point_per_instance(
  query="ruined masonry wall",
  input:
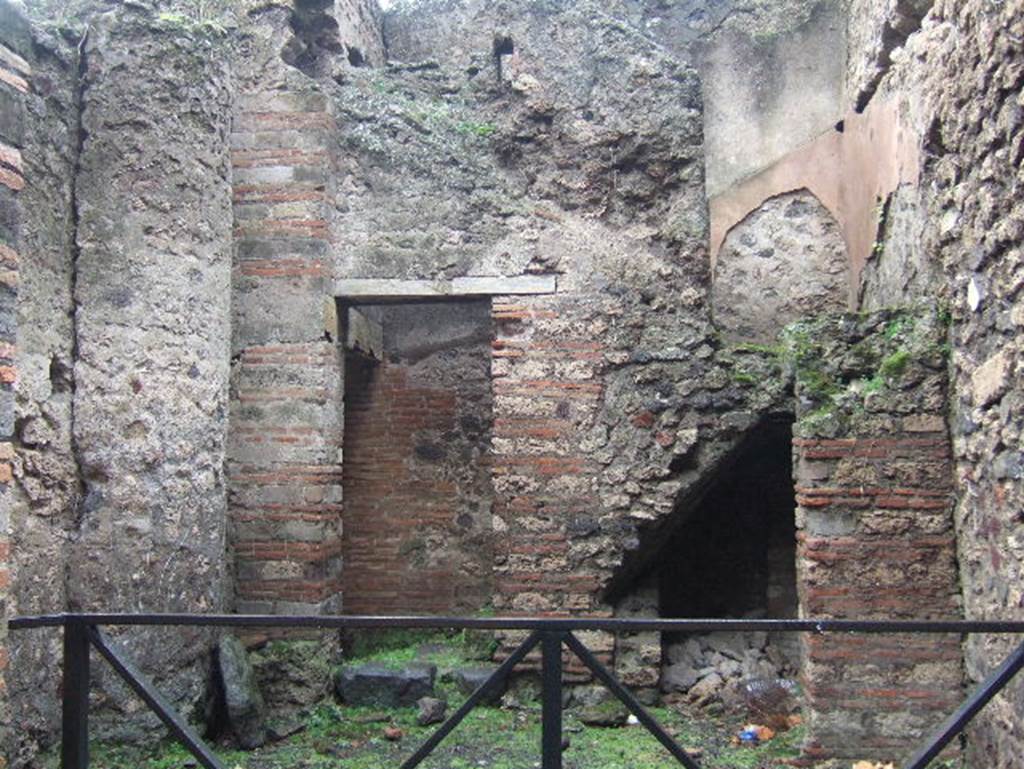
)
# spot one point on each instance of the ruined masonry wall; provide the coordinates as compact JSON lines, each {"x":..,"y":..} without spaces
{"x":980,"y":234}
{"x":390,"y":512}
{"x":959,"y":82}
{"x":875,"y":539}
{"x":783,"y":262}
{"x":151,"y":289}
{"x":15,"y":73}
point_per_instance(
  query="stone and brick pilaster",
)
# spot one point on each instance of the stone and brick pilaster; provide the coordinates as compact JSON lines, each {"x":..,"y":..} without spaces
{"x":875,"y":539}
{"x":285,"y":423}
{"x":547,"y":393}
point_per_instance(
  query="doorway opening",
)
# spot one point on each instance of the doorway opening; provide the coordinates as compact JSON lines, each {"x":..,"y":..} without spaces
{"x":736,"y":559}
{"x":415,"y":472}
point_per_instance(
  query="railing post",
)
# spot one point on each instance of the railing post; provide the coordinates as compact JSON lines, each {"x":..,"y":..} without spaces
{"x":75,"y":719}
{"x":551,"y":696}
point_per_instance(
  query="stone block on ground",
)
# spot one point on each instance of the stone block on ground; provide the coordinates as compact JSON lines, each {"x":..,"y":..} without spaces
{"x":432,"y":710}
{"x":379,"y":686}
{"x":468,"y":680}
{"x":705,"y":689}
{"x":243,"y":703}
{"x":293,"y":674}
{"x":282,"y":728}
{"x":609,"y":713}
{"x":679,"y":677}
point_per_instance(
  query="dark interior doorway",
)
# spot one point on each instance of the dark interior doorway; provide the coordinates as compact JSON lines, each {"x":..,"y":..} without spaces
{"x":736,"y":557}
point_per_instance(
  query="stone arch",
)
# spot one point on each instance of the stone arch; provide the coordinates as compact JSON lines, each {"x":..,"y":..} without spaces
{"x":784,"y":261}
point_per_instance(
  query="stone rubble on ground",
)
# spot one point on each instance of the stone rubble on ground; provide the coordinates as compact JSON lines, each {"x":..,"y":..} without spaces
{"x":713,"y":668}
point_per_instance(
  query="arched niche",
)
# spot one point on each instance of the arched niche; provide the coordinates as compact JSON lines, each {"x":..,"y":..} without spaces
{"x":784,"y":261}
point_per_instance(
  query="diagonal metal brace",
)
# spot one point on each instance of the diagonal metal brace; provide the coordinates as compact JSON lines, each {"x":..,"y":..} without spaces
{"x":456,"y":718}
{"x":156,"y":701}
{"x":956,"y":722}
{"x":631,"y":702}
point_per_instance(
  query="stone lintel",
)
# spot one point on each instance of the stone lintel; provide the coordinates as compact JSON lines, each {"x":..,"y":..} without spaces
{"x":384,"y":289}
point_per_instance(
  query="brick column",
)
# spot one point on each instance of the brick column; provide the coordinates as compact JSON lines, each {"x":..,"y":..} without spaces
{"x":875,"y":539}
{"x":14,"y":85}
{"x":879,"y":551}
{"x":285,"y":423}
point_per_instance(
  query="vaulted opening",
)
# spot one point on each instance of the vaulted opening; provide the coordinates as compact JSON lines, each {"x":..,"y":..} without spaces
{"x":736,"y":559}
{"x":729,"y":553}
{"x":737,"y":555}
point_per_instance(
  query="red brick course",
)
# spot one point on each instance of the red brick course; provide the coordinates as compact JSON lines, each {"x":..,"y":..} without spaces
{"x":395,"y":503}
{"x":902,"y":567}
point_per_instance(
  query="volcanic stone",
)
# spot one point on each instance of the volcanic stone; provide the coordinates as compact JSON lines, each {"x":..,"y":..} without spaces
{"x":243,"y":702}
{"x":470,"y":679}
{"x":378,"y":686}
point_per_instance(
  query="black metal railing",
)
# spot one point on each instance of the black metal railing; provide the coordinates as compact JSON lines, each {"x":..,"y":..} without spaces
{"x":83,"y":631}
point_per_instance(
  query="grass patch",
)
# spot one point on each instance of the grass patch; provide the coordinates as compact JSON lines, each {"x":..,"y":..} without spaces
{"x":894,"y":365}
{"x":338,"y":737}
{"x":364,"y":645}
{"x":341,"y":737}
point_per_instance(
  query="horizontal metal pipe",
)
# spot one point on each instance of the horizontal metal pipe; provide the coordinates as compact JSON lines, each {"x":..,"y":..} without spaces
{"x":563,"y":624}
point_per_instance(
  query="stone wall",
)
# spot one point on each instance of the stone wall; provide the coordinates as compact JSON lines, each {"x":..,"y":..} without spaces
{"x":15,"y":73}
{"x":771,"y":71}
{"x":773,"y":81}
{"x":151,"y":266}
{"x":614,"y":399}
{"x":465,"y":176}
{"x":784,"y":262}
{"x":546,"y":393}
{"x":326,"y":38}
{"x":877,"y":30}
{"x":901,"y":268}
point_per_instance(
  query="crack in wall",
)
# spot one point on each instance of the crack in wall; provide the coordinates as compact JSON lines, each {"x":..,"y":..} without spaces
{"x":80,"y":87}
{"x":905,"y":20}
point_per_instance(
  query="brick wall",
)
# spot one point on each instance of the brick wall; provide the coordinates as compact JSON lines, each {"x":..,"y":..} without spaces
{"x":14,"y":76}
{"x":285,"y":425}
{"x":546,"y":395}
{"x":544,"y":391}
{"x":391,"y":505}
{"x":875,"y":535}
